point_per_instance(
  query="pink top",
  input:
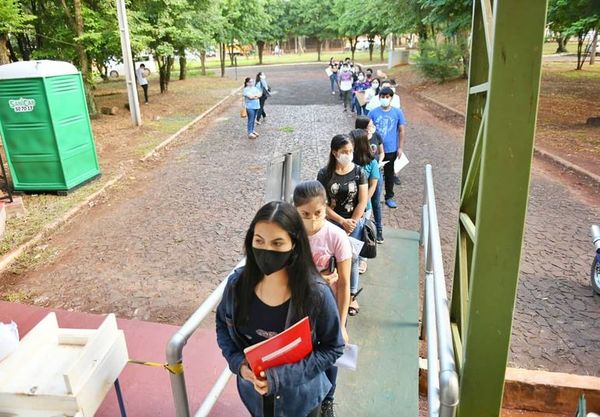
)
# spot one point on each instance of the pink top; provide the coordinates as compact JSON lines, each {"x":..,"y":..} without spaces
{"x":327,"y":242}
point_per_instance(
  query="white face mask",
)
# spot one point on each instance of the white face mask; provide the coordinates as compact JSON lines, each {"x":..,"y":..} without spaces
{"x":361,"y":78}
{"x":262,"y":76}
{"x":385,"y":102}
{"x":374,"y":86}
{"x":344,"y":158}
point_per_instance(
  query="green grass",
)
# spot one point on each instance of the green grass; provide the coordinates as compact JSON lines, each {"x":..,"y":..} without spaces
{"x":243,"y":61}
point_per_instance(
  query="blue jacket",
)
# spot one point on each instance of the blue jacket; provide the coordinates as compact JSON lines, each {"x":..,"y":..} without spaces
{"x":297,"y":388}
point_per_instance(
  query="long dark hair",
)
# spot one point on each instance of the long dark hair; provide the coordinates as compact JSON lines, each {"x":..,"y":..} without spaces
{"x":246,"y":81}
{"x":307,"y":191}
{"x":301,"y":268}
{"x":362,"y":148}
{"x":337,"y":142}
{"x":362,"y":122}
{"x":257,"y":81}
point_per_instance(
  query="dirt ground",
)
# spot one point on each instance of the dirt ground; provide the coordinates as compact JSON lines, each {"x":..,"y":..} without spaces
{"x":567,"y":99}
{"x":119,"y":144}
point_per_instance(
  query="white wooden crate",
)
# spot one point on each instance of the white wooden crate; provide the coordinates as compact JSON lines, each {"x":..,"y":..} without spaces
{"x":61,"y":372}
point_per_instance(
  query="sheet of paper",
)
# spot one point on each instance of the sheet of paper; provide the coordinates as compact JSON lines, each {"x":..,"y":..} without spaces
{"x":356,"y":245}
{"x":382,"y":164}
{"x":349,"y":358}
{"x":400,"y":163}
{"x":328,"y":71}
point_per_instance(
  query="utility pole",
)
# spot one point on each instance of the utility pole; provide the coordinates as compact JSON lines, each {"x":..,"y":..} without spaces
{"x":134,"y":104}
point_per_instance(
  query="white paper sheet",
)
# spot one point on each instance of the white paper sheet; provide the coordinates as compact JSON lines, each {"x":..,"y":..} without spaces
{"x":400,"y":163}
{"x":356,"y":245}
{"x":328,"y":71}
{"x":349,"y":359}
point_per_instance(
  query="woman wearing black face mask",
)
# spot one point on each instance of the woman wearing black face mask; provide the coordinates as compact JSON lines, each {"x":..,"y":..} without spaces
{"x":278,"y":286}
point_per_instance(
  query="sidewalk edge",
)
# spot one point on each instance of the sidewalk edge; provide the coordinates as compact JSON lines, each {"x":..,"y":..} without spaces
{"x":7,"y":259}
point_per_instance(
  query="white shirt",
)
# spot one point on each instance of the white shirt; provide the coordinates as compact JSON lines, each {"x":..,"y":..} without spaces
{"x":141,"y":76}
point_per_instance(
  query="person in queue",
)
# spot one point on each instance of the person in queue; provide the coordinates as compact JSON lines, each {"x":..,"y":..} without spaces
{"x":376,"y":144}
{"x":389,"y":122}
{"x":252,"y":104}
{"x":374,"y":103}
{"x":345,"y":81}
{"x":262,"y":85}
{"x":278,"y":286}
{"x":327,"y":243}
{"x":333,"y":67}
{"x":363,"y":157}
{"x":360,"y":86}
{"x":347,"y":193}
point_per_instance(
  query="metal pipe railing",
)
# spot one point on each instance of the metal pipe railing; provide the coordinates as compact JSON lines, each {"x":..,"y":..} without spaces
{"x":596,"y":236}
{"x":443,"y":396}
{"x":174,"y":352}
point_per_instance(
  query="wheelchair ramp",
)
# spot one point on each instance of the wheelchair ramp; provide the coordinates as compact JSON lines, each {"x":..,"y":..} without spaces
{"x":386,"y":329}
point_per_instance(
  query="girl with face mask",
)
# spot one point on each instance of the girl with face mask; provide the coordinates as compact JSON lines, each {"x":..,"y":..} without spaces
{"x":278,"y":286}
{"x":347,"y":192}
{"x":251,"y":102}
{"x":263,"y":86}
{"x":330,"y":249}
{"x":359,"y":88}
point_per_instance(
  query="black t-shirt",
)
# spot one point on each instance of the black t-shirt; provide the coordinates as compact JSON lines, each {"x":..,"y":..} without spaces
{"x":342,"y":190}
{"x":375,"y":141}
{"x":265,"y":321}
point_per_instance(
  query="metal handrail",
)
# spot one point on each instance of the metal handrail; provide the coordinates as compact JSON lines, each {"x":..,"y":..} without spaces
{"x":175,"y":356}
{"x":442,"y":379}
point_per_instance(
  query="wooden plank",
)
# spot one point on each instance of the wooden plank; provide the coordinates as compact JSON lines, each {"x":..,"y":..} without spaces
{"x":468,"y":226}
{"x":77,"y":337}
{"x":93,"y":352}
{"x":480,"y":88}
{"x":488,"y":25}
{"x":102,"y":378}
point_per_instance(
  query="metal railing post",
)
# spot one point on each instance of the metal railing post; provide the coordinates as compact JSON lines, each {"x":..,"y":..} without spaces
{"x":174,"y":353}
{"x":443,"y":395}
{"x":287,"y":178}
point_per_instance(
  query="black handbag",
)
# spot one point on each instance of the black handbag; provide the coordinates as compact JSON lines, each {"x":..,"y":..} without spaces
{"x":369,"y":237}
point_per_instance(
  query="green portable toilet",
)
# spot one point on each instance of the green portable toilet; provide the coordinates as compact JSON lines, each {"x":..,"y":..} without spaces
{"x":45,"y":126}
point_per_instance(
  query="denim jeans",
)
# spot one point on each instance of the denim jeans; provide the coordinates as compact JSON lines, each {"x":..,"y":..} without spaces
{"x":354,"y":276}
{"x":333,"y":80}
{"x":376,"y":204}
{"x":347,"y":96}
{"x":251,"y":119}
{"x":261,"y":112}
{"x":356,"y":106}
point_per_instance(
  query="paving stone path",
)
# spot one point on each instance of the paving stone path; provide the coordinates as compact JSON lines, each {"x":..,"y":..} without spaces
{"x":157,"y":246}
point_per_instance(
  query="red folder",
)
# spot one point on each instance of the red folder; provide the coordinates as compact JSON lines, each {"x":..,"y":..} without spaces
{"x":290,"y":346}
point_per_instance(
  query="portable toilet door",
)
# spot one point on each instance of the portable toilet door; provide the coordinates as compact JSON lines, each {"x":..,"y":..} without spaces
{"x":45,"y":126}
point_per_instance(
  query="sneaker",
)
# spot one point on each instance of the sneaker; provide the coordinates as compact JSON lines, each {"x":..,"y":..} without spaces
{"x":390,"y":203}
{"x":255,"y":134}
{"x":258,"y":122}
{"x":327,"y":409}
{"x":333,"y":92}
{"x":252,"y":136}
{"x":397,"y":180}
{"x":379,"y":237}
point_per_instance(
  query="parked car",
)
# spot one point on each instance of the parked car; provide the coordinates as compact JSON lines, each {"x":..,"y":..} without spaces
{"x":589,"y":48}
{"x":362,"y":45}
{"x":210,"y":52}
{"x":117,"y":68}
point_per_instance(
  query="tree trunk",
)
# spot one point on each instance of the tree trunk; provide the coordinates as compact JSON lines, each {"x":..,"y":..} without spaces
{"x":319,"y":50}
{"x":562,"y":43}
{"x":382,"y":42}
{"x":353,"y":41}
{"x":593,"y":49}
{"x":222,"y":58}
{"x":4,"y":53}
{"x":231,"y":56}
{"x":371,"y":40}
{"x":203,"y":61}
{"x":24,"y":46}
{"x":580,"y":52}
{"x":86,"y":72}
{"x":261,"y":48}
{"x":11,"y":51}
{"x":165,"y":64}
{"x":182,"y":64}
